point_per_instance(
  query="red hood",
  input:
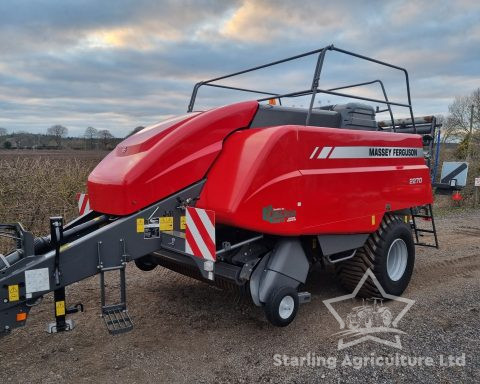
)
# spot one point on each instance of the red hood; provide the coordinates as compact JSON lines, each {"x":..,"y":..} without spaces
{"x":163,"y":159}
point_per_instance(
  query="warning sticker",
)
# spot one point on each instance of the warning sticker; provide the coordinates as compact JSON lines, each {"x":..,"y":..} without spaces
{"x":37,"y":280}
{"x":166,"y":223}
{"x":183,"y":222}
{"x":152,"y":228}
{"x":140,"y":225}
{"x":60,"y":308}
{"x":13,"y":293}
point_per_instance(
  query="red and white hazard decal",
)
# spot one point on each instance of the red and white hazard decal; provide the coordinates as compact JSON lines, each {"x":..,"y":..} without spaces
{"x":83,"y":203}
{"x":200,"y":233}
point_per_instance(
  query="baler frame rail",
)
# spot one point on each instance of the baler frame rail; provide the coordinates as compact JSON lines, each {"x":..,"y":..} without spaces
{"x":314,"y":89}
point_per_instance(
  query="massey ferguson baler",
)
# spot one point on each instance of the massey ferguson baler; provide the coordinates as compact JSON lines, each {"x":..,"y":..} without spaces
{"x":251,"y":194}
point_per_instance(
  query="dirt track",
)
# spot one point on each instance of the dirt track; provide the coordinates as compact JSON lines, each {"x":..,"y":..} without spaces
{"x":186,"y":331}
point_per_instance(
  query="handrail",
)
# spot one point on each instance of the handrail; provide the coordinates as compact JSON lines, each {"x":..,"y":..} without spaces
{"x":199,"y":84}
{"x":241,"y":89}
{"x":308,"y":92}
{"x":407,"y":82}
{"x":315,"y":83}
{"x":316,"y":80}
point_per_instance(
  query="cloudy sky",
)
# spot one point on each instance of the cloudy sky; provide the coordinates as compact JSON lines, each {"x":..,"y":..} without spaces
{"x":122,"y":63}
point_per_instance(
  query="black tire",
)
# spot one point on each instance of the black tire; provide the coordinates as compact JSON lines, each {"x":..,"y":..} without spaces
{"x":373,"y":255}
{"x":145,"y":263}
{"x":272,"y":306}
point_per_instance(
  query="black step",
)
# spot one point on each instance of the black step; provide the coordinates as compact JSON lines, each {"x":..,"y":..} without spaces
{"x":116,"y":316}
{"x":426,"y":245}
{"x":423,"y":216}
{"x":117,"y":319}
{"x":419,"y":232}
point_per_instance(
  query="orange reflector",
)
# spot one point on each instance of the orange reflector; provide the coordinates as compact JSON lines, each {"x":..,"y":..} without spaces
{"x":22,"y":316}
{"x":272,"y":102}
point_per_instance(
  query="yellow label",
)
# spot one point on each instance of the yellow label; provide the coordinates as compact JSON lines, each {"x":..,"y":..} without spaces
{"x":140,"y":225}
{"x":60,"y":308}
{"x":166,"y":223}
{"x":373,"y":219}
{"x":183,"y":222}
{"x":13,"y":293}
{"x":64,"y":247}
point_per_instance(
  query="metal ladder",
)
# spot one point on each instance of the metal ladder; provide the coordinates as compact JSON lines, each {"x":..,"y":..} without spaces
{"x":427,"y":215}
{"x":116,"y":317}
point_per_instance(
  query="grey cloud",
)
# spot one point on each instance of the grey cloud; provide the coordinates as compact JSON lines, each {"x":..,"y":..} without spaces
{"x":38,"y":25}
{"x":48,"y":74}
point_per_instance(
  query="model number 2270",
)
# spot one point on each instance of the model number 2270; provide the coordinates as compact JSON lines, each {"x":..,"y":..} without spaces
{"x":416,"y":180}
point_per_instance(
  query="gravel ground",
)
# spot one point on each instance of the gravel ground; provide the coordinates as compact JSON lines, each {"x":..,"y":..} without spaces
{"x":186,"y":331}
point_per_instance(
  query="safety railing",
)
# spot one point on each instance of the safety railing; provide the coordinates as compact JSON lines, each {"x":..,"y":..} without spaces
{"x":314,"y":88}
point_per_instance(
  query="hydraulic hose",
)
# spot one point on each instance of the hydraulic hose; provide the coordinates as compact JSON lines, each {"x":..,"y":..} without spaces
{"x":42,"y":244}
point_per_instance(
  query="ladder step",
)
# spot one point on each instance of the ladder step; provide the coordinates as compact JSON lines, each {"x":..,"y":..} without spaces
{"x":423,"y":216}
{"x":425,"y":230}
{"x":117,"y":319}
{"x":426,"y":245}
{"x":426,"y":213}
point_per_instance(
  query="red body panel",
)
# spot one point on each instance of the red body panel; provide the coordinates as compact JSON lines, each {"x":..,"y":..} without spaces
{"x":284,"y":180}
{"x":272,"y":167}
{"x":163,"y":159}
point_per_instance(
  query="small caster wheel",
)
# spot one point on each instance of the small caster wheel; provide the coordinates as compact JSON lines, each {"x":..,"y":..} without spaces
{"x":282,"y":306}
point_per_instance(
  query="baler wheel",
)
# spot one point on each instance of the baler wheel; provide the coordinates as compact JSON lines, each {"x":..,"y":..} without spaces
{"x":389,"y":253}
{"x":282,"y":306}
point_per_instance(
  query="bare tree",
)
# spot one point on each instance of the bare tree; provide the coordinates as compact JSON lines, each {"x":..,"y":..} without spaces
{"x":58,"y":131}
{"x":3,"y":131}
{"x":105,"y":137}
{"x":476,"y":103}
{"x":23,"y":139}
{"x":463,"y":123}
{"x":446,"y":133}
{"x":458,"y":120}
{"x":90,"y":135}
